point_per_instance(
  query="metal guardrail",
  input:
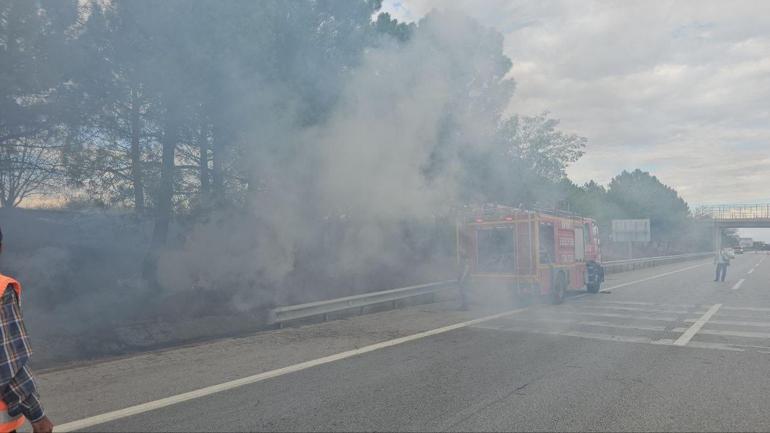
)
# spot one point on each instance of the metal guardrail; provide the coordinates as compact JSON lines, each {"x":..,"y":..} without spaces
{"x":281,"y":315}
{"x":616,"y":266}
{"x":294,"y":312}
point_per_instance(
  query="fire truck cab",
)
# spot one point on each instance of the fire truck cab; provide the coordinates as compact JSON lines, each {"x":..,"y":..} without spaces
{"x":529,"y":251}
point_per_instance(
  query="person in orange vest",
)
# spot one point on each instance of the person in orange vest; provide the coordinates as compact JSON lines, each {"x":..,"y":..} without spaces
{"x":18,"y":398}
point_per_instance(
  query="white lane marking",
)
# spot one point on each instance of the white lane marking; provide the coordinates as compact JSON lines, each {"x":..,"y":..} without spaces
{"x":653,"y":277}
{"x":633,"y":309}
{"x":749,"y":346}
{"x":624,"y":316}
{"x":622,"y":338}
{"x":738,"y":284}
{"x":743,"y":334}
{"x":717,"y":346}
{"x":751,"y":270}
{"x":202,"y":392}
{"x":589,"y":335}
{"x":651,"y":304}
{"x":757,"y":309}
{"x":735,"y":323}
{"x":587,"y":323}
{"x":692,"y":330}
{"x":214,"y":389}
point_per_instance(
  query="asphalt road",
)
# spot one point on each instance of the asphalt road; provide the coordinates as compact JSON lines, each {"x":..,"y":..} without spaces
{"x":665,"y":349}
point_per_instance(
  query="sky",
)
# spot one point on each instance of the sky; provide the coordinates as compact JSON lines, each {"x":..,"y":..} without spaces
{"x":677,"y":88}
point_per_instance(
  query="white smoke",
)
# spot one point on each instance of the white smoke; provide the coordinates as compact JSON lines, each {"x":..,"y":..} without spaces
{"x":390,"y":152}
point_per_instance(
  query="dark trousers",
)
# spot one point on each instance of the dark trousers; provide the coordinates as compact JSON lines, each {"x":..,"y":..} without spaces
{"x":721,"y":272}
{"x":463,"y":295}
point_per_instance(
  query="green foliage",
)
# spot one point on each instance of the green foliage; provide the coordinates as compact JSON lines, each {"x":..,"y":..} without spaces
{"x":542,"y":149}
{"x":639,"y":194}
{"x":34,"y":43}
{"x":525,"y":164}
{"x":35,"y":77}
{"x":164,"y":105}
{"x":390,"y":26}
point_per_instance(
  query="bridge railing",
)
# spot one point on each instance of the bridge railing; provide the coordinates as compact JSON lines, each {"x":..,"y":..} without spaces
{"x":735,"y":212}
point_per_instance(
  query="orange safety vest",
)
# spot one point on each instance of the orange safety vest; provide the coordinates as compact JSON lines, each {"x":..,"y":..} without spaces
{"x":9,"y":423}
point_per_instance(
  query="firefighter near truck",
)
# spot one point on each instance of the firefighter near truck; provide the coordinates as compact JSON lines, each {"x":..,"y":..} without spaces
{"x":529,"y":252}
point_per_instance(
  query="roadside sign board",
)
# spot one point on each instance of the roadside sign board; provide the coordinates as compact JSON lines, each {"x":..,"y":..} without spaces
{"x":631,"y":230}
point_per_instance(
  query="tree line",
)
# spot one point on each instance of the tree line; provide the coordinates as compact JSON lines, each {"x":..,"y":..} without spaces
{"x":163,"y":107}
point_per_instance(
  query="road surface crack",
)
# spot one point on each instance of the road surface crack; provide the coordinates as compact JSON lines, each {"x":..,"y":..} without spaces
{"x":483,"y":405}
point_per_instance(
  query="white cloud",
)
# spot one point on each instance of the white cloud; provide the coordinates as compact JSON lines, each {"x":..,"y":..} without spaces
{"x":680,"y":88}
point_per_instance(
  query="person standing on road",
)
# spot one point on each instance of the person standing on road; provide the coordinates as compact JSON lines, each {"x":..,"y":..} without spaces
{"x":462,"y":280}
{"x":19,"y":397}
{"x":722,"y":261}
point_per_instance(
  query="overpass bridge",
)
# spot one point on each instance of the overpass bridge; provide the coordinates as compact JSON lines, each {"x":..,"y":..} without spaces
{"x":733,"y":216}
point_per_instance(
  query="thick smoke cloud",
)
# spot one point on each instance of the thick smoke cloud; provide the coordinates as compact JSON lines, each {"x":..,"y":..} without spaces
{"x":389,"y":153}
{"x":336,"y":180}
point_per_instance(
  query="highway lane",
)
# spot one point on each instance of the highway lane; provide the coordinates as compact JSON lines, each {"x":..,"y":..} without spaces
{"x":72,"y":393}
{"x":600,"y":362}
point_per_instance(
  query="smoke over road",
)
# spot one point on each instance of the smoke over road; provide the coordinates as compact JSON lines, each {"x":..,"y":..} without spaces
{"x":357,"y":200}
{"x":390,"y":154}
{"x":228,"y":157}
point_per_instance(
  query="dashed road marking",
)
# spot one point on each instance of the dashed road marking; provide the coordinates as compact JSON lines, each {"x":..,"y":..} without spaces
{"x":625,"y":316}
{"x":749,"y":346}
{"x":757,"y":309}
{"x":717,"y":346}
{"x":634,"y":309}
{"x":653,"y":277}
{"x":580,"y":334}
{"x":692,"y":330}
{"x":742,"y":334}
{"x":735,"y":323}
{"x":653,"y":304}
{"x":738,"y":284}
{"x":597,"y":323}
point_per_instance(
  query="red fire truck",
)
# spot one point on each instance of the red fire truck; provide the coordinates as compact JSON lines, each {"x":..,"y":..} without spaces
{"x":529,"y":251}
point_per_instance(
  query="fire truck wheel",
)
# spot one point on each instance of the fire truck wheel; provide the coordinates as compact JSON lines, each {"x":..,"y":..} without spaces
{"x":559,"y":288}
